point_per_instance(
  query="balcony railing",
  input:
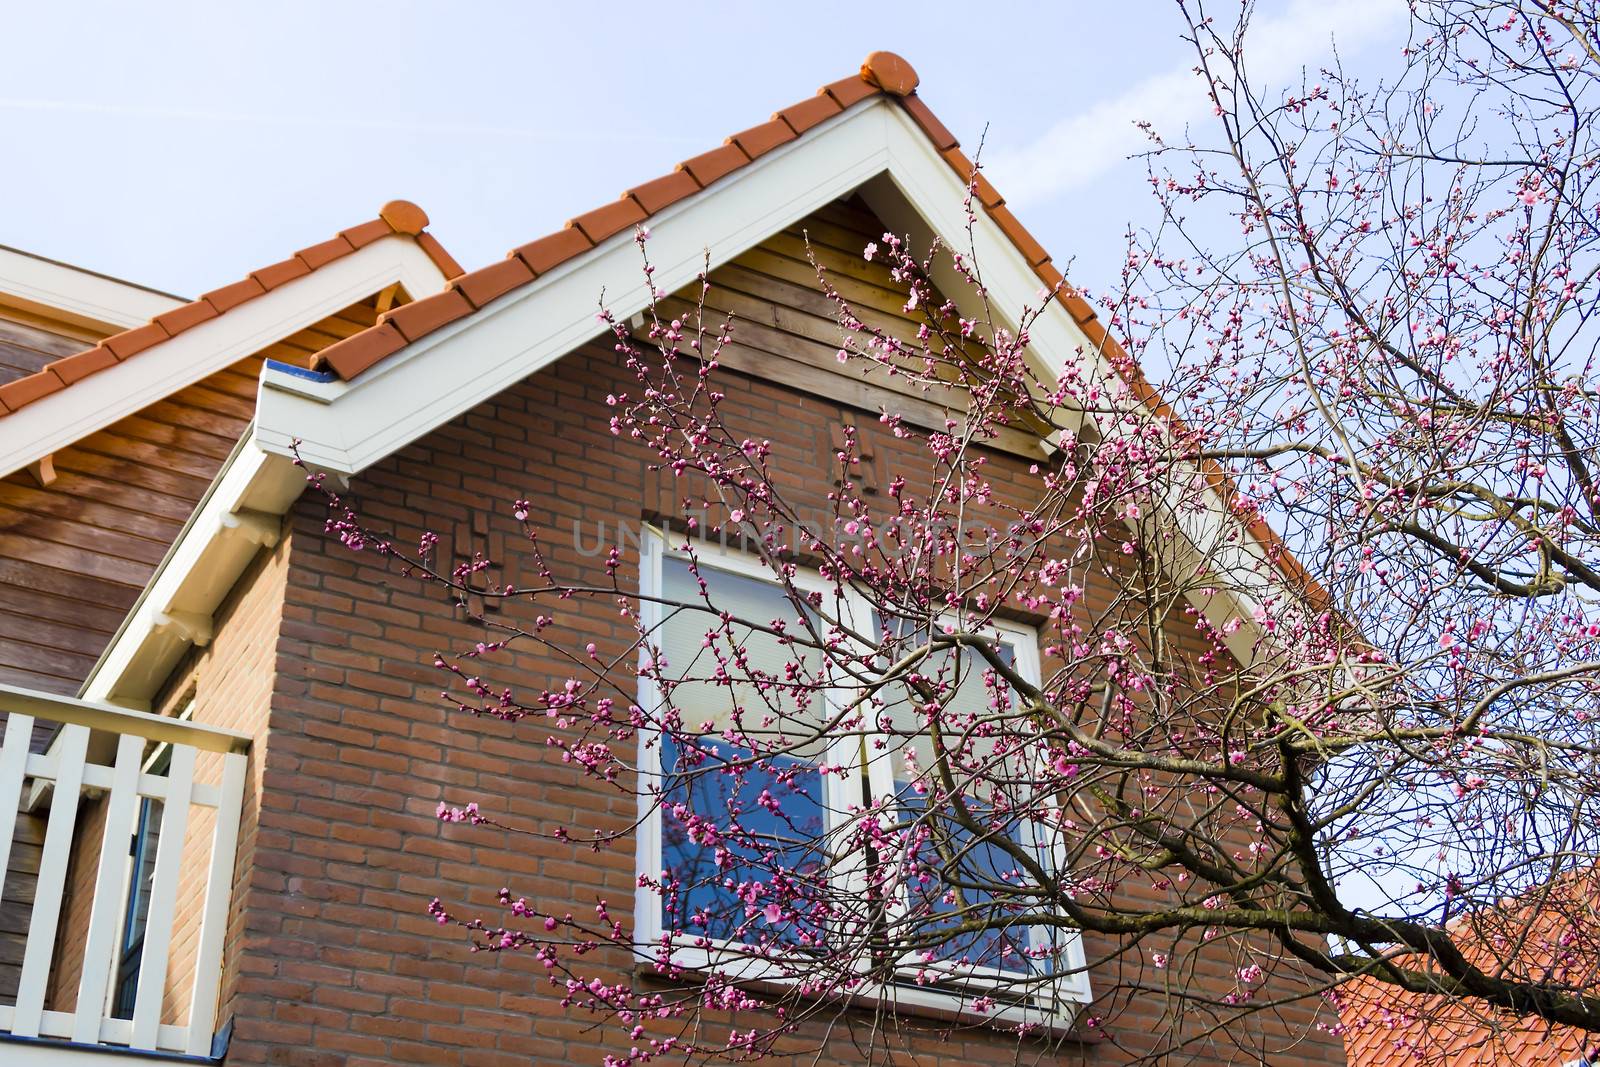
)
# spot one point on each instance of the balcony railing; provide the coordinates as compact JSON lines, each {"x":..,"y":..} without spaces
{"x":134,"y":871}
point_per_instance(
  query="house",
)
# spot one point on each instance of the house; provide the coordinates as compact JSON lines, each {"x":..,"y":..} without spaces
{"x":188,"y":656}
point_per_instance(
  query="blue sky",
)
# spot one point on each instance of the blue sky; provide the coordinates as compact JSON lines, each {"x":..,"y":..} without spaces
{"x":183,"y":145}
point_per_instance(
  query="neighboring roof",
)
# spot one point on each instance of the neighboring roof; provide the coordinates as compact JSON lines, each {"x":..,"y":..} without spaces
{"x":1553,"y":939}
{"x":395,"y":217}
{"x":86,"y":302}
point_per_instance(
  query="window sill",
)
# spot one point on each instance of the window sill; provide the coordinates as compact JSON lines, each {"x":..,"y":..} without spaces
{"x":916,"y":1002}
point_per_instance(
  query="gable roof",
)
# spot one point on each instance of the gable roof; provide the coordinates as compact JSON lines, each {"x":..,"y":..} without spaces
{"x":286,"y":309}
{"x":395,"y":217}
{"x":882,"y":74}
{"x":430,"y":361}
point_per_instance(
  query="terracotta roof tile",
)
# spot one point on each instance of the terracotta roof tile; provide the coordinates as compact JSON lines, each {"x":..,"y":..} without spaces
{"x":552,"y":250}
{"x":707,"y":167}
{"x":851,"y":90}
{"x":324,"y":252}
{"x":184,"y":316}
{"x":404,"y":217}
{"x":890,"y":73}
{"x":396,"y":217}
{"x":366,"y":233}
{"x":285,"y":271}
{"x":808,"y":113}
{"x":71,"y":368}
{"x":668,"y":189}
{"x":25,"y":391}
{"x":486,"y":284}
{"x":231,"y":296}
{"x":132,"y":342}
{"x":355,"y":354}
{"x":988,"y":195}
{"x":937,"y":131}
{"x":612,"y":218}
{"x":443,"y":260}
{"x":1018,"y":234}
{"x":421,"y":317}
{"x":759,"y":140}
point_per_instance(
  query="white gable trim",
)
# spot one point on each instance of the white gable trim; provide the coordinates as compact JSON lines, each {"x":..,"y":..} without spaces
{"x":71,"y":414}
{"x":240,"y":514}
{"x":79,"y":296}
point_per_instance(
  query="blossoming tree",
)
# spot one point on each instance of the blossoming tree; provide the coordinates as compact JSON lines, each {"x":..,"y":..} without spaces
{"x":1277,"y":673}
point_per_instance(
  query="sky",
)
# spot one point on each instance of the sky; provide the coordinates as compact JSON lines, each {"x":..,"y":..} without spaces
{"x":183,"y":145}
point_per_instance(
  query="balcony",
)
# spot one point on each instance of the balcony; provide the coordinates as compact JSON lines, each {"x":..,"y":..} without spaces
{"x":118,"y":831}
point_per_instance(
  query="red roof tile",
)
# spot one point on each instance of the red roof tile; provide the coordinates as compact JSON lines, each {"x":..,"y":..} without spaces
{"x":553,"y":250}
{"x":421,"y":317}
{"x":395,"y":217}
{"x":356,"y":354}
{"x":497,"y":279}
{"x":759,"y":140}
{"x":707,"y":167}
{"x":71,"y":368}
{"x":614,"y":217}
{"x":666,"y":190}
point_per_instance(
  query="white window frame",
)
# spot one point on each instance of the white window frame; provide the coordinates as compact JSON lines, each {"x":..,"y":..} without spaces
{"x":1055,"y":1002}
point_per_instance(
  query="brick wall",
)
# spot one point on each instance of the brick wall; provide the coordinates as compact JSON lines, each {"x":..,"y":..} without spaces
{"x":333,"y":959}
{"x":338,"y":955}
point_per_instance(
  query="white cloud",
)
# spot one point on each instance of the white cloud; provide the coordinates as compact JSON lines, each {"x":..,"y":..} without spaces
{"x":1076,"y":150}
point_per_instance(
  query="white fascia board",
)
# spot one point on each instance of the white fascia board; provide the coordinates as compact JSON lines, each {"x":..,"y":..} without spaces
{"x":79,"y":296}
{"x":69,"y":415}
{"x":240,"y":515}
{"x":347,"y":428}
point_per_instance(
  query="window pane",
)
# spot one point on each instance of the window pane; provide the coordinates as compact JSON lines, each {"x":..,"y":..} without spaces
{"x":785,"y":707}
{"x":734,"y":842}
{"x":743,"y":816}
{"x":952,"y":874}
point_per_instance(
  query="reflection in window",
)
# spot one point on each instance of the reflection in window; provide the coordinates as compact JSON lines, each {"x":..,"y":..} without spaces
{"x":747,"y":884}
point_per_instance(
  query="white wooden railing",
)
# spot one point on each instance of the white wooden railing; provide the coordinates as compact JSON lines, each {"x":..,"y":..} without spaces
{"x":102,"y":751}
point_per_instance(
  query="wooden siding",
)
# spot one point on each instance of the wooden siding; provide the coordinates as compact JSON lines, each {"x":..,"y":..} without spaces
{"x":786,"y":330}
{"x":25,"y":347}
{"x":74,"y":555}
